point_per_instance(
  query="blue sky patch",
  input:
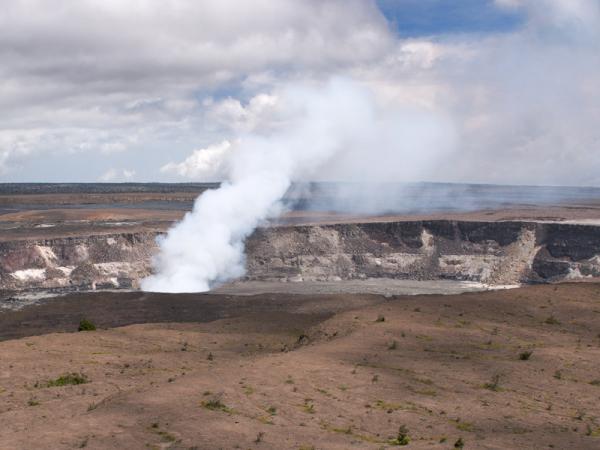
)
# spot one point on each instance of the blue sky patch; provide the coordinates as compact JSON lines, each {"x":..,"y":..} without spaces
{"x":413,"y":18}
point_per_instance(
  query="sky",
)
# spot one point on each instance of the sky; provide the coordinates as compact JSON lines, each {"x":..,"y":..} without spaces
{"x":148,"y":90}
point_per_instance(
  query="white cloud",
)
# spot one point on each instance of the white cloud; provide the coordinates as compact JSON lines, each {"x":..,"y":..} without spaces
{"x":122,"y":68}
{"x":239,"y":118}
{"x":204,"y":164}
{"x":116,"y":175}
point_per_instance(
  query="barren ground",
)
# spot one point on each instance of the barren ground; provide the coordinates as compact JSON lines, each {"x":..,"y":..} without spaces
{"x":42,"y":216}
{"x":279,"y":371}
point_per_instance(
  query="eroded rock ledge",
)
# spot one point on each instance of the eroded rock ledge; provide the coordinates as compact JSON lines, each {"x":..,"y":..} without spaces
{"x":495,"y":253}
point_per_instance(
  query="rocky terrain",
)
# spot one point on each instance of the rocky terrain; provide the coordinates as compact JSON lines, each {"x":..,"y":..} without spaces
{"x":494,"y":253}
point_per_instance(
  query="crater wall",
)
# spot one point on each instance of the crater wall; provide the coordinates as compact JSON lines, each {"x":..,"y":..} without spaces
{"x":494,"y":253}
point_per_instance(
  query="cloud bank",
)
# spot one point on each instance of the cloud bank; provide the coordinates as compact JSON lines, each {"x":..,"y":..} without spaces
{"x":89,"y":86}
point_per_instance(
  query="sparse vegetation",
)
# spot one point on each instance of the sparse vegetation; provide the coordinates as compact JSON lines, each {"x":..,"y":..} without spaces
{"x":464,"y":426}
{"x":259,"y":437}
{"x":589,"y":431}
{"x":215,"y":404}
{"x":380,"y":318}
{"x":558,"y":375}
{"x":68,"y":379}
{"x":524,"y":356}
{"x":393,"y":345}
{"x":552,"y":320}
{"x":272,"y":410}
{"x":595,"y":382}
{"x":86,"y":325}
{"x":402,"y":438}
{"x":309,"y":406}
{"x":494,"y":384}
{"x":459,"y":443}
{"x":345,"y":430}
{"x":33,"y":402}
{"x":391,"y":407}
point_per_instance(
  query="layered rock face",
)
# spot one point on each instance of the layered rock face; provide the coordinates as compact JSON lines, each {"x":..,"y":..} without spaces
{"x":494,"y":253}
{"x":90,"y":262}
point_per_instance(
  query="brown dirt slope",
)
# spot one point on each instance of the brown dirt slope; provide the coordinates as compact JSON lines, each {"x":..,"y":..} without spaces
{"x":495,"y":370}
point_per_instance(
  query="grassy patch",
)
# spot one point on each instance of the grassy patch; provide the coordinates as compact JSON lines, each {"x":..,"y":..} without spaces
{"x":166,"y":436}
{"x":265,"y":419}
{"x":494,"y":384}
{"x":324,"y":392}
{"x":308,"y":406}
{"x":428,"y":392}
{"x":552,"y":320}
{"x":345,"y":430}
{"x":389,"y":407}
{"x":464,"y":426}
{"x":350,"y":432}
{"x":215,"y":404}
{"x":592,"y":432}
{"x":68,"y":379}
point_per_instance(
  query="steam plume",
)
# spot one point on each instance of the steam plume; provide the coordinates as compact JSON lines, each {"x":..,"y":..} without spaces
{"x":318,"y":125}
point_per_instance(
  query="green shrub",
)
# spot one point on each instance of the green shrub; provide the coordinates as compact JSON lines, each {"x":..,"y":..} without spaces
{"x":524,"y":356}
{"x":68,"y":379}
{"x":215,"y":404}
{"x":86,"y":325}
{"x":402,"y":438}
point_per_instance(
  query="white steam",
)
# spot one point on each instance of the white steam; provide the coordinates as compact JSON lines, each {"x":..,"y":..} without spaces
{"x":339,"y":124}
